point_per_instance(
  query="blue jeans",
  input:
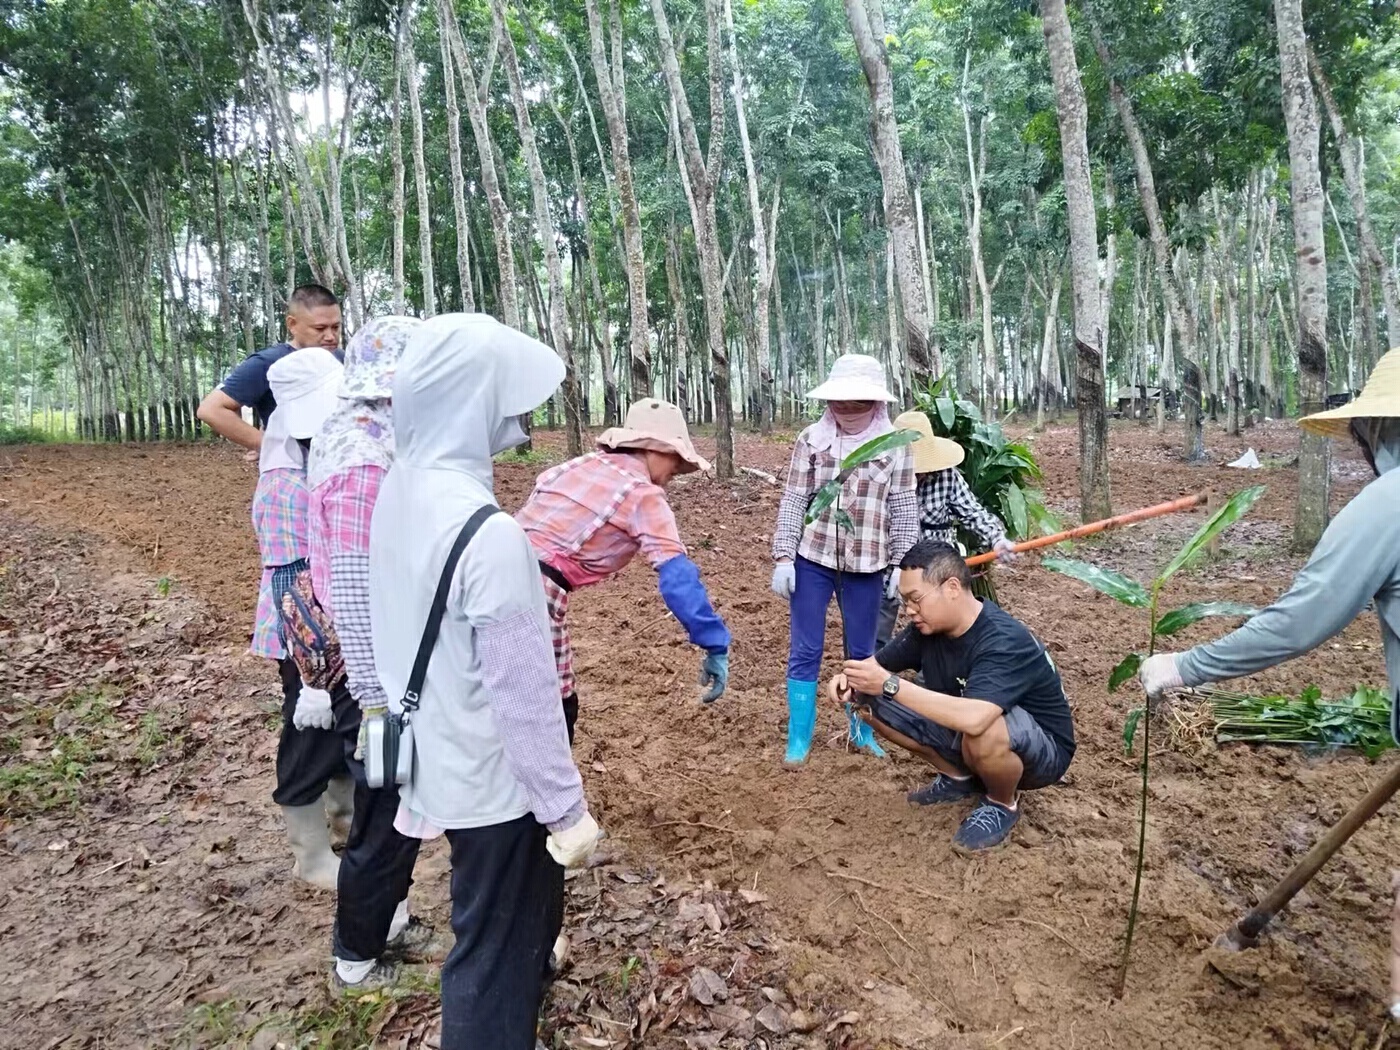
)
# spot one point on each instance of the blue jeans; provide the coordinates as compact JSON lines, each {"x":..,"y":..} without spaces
{"x":861,"y":593}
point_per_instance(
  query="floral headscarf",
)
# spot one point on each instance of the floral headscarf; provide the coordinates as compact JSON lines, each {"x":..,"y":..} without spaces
{"x":361,"y":431}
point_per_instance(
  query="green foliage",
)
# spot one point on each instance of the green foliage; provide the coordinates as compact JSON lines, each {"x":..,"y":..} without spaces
{"x":1360,"y":720}
{"x":1132,"y":593}
{"x":1126,"y":668}
{"x":1233,"y":509}
{"x":1105,"y":581}
{"x":21,"y":435}
{"x":1001,"y":473}
{"x":1177,"y":619}
{"x":871,"y":450}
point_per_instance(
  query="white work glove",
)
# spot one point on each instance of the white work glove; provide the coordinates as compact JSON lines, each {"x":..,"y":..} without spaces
{"x":784,"y":579}
{"x":572,"y":847}
{"x":313,"y":709}
{"x":1005,"y":551}
{"x":1159,"y":674}
{"x":892,"y":585}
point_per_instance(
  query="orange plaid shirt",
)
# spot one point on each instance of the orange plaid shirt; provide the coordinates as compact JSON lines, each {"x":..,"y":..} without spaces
{"x":589,"y":517}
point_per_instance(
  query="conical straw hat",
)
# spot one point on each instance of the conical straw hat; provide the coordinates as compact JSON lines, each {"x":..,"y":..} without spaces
{"x":1380,"y":398}
{"x":930,"y":453}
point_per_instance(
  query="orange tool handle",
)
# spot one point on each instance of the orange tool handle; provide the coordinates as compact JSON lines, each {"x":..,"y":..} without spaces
{"x":1131,"y":518}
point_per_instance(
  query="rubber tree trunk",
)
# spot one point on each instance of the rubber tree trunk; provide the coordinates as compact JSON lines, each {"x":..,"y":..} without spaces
{"x":611,"y":91}
{"x":1304,"y":135}
{"x":1094,"y":498}
{"x":867,"y":21}
{"x":702,"y":175}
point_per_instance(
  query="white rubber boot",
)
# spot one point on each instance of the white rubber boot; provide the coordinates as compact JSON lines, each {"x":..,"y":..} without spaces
{"x":340,"y":807}
{"x":310,"y":840}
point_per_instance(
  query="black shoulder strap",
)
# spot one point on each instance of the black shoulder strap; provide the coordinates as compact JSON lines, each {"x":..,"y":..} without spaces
{"x":430,"y":629}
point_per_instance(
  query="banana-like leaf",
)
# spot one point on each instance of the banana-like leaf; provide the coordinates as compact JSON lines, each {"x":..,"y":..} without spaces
{"x":970,"y":410}
{"x":1130,"y":729}
{"x":1126,"y":668}
{"x":1106,"y":581}
{"x":1017,"y":517}
{"x":1171,"y":622}
{"x":1234,"y":509}
{"x":947,"y":411}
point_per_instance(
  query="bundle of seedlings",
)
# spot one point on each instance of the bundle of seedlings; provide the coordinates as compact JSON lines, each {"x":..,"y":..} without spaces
{"x":1360,"y":720}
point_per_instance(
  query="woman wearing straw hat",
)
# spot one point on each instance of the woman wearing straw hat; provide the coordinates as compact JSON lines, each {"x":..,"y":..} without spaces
{"x":945,"y":502}
{"x":587,"y":518}
{"x":1357,"y":561}
{"x":879,"y":522}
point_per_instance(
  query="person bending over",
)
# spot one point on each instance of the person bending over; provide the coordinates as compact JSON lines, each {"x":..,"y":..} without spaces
{"x":991,"y":716}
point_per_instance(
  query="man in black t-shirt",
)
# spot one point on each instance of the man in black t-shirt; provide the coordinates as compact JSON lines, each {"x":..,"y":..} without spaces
{"x":991,"y":715}
{"x":313,"y":319}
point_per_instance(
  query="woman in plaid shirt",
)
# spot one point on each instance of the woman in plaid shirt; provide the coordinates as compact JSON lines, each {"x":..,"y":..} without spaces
{"x":945,"y":502}
{"x":587,"y":519}
{"x":879,"y":498}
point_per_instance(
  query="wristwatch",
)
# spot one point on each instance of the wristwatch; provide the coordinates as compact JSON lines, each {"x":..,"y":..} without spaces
{"x":891,"y":687}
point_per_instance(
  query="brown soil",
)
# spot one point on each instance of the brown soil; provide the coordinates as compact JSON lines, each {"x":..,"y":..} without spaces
{"x":867,"y":907}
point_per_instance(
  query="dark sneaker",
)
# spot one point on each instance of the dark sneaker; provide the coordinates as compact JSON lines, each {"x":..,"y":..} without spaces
{"x":986,"y":827}
{"x":945,"y":789}
{"x":383,"y":975}
{"x":417,"y":942}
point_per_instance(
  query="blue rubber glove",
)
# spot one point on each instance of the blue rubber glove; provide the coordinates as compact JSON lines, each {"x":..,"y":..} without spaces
{"x":714,"y":672}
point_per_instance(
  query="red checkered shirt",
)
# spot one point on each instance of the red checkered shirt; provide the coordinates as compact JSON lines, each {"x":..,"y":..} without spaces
{"x":588,"y":517}
{"x":341,"y":508}
{"x":879,"y":496}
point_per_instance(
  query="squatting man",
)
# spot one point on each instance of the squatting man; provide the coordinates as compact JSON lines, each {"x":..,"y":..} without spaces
{"x":990,"y":715}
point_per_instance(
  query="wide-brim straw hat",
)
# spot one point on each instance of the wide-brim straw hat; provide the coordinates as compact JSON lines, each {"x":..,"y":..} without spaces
{"x":854,"y":377}
{"x":657,"y":426}
{"x":1380,"y":398}
{"x":930,"y":453}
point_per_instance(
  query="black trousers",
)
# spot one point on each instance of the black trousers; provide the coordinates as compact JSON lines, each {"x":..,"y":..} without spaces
{"x":376,"y":867}
{"x":507,"y":908}
{"x":308,"y":758}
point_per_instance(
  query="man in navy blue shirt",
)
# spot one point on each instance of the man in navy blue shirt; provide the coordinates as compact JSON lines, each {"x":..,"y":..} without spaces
{"x":313,"y":319}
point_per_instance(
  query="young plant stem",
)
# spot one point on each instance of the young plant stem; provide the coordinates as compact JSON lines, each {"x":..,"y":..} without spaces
{"x":1142,"y":805}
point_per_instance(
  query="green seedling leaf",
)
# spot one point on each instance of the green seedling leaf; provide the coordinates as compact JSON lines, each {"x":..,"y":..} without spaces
{"x":1125,"y":670}
{"x":825,"y":497}
{"x":1105,"y":581}
{"x":843,"y":521}
{"x":1130,"y":729}
{"x":1171,"y":622}
{"x":877,"y":447}
{"x":1234,"y":509}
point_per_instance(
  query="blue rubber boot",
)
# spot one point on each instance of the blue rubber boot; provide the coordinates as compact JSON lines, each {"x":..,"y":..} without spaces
{"x":802,"y":721}
{"x":862,"y":736}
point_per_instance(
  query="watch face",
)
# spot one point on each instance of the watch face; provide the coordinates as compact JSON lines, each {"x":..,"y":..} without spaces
{"x":891,"y":685}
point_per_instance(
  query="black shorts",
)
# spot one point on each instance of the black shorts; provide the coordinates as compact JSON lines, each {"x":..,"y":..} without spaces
{"x":1044,"y":760}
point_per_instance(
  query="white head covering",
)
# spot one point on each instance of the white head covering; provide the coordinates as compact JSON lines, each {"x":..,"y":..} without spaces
{"x":305,"y":384}
{"x":462,"y":380}
{"x":279,"y":450}
{"x":360,"y":432}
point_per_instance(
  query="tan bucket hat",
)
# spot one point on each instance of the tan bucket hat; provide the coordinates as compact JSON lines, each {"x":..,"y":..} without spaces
{"x":930,"y":453}
{"x":659,"y":426}
{"x":1380,"y":398}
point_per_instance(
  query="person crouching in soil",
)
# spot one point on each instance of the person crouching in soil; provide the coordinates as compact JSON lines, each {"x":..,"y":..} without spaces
{"x":945,"y":502}
{"x":587,"y":518}
{"x":991,"y":716}
{"x":846,"y":550}
{"x":1355,"y":563}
